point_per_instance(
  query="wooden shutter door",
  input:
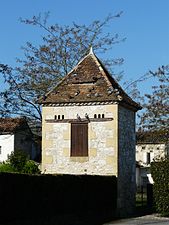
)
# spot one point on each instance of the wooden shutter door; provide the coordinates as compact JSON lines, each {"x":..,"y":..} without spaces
{"x":79,"y":139}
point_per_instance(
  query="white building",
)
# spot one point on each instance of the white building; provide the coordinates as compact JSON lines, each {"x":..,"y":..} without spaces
{"x":150,"y":146}
{"x":15,"y":134}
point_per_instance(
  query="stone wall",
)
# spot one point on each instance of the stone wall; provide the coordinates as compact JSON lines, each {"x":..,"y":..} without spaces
{"x":111,"y":147}
{"x":126,"y":161}
{"x":102,"y":155}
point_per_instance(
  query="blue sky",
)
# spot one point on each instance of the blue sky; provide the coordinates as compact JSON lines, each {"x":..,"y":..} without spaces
{"x":144,"y":23}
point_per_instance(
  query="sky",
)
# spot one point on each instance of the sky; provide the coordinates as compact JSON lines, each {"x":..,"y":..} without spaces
{"x":144,"y":24}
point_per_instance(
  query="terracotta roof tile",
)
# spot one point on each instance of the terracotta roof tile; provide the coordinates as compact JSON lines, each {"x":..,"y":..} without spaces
{"x":11,"y":125}
{"x":89,"y":81}
{"x":152,"y":137}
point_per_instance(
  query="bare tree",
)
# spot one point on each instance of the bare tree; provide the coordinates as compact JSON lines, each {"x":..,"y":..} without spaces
{"x":43,"y":66}
{"x":156,"y":105}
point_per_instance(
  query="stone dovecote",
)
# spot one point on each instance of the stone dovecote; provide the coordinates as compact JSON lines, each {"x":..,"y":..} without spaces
{"x":88,"y":127}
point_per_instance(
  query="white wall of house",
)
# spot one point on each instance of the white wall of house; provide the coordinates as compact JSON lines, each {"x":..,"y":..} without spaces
{"x":145,"y":153}
{"x":6,"y":146}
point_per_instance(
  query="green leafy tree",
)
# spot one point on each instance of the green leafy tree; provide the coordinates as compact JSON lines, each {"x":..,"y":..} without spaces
{"x":44,"y":66}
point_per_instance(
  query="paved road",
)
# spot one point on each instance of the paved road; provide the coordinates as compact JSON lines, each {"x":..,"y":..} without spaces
{"x":144,"y":220}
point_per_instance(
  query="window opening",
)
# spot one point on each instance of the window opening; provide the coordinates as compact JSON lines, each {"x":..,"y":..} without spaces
{"x":148,"y":158}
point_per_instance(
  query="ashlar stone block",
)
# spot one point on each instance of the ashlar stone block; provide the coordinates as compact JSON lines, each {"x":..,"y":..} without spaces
{"x":93,"y":152}
{"x":48,"y":143}
{"x":110,"y":160}
{"x":66,"y":135}
{"x":66,"y":152}
{"x":48,"y":159}
{"x":79,"y":159}
{"x":110,"y":142}
{"x":92,"y":134}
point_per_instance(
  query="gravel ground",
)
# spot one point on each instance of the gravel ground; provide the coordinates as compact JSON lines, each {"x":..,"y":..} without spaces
{"x":75,"y":220}
{"x":148,"y":219}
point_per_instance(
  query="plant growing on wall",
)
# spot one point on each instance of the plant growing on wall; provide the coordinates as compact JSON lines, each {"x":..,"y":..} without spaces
{"x":159,"y":171}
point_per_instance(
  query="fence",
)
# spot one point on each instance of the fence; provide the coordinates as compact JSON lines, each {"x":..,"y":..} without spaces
{"x":144,"y":196}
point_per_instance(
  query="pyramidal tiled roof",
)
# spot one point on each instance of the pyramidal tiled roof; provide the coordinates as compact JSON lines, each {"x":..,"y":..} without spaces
{"x":88,"y":81}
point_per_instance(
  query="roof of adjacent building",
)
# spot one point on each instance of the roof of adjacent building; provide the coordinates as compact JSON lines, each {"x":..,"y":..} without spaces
{"x":88,"y":81}
{"x":152,"y":137}
{"x":12,"y":125}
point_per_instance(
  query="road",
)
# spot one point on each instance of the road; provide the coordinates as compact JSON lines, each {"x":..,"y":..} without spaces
{"x":144,"y":220}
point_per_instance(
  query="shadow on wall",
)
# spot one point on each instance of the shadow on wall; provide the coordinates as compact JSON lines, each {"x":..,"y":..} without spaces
{"x":57,"y":198}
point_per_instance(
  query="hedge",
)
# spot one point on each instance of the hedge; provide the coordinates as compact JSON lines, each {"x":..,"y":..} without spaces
{"x":160,"y":174}
{"x":41,"y":196}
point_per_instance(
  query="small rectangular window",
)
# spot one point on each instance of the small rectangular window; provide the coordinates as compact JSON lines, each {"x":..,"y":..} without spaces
{"x":0,"y":150}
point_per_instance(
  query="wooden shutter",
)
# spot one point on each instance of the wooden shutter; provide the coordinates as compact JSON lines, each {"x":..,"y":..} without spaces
{"x":79,"y":139}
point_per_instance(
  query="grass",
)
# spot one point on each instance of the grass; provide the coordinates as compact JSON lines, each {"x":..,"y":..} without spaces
{"x":141,"y":199}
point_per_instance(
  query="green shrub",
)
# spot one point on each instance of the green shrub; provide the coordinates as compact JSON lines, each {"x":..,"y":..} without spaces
{"x":160,"y":174}
{"x":17,"y":159}
{"x":6,"y":167}
{"x":18,"y":162}
{"x":31,"y":167}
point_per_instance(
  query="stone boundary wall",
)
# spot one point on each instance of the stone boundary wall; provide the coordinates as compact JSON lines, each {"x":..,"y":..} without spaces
{"x":43,"y":196}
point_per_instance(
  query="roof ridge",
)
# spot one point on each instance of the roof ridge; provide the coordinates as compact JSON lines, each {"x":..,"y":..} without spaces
{"x":88,"y":71}
{"x":108,"y":77}
{"x":91,"y":52}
